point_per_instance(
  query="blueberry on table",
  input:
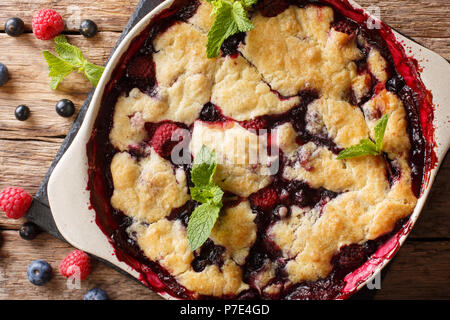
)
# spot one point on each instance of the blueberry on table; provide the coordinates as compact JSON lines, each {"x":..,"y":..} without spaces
{"x":96,"y":294}
{"x":88,"y":28}
{"x":28,"y":231}
{"x":14,"y":27}
{"x":22,"y":112}
{"x":4,"y":74}
{"x":39,"y":272}
{"x":65,"y":108}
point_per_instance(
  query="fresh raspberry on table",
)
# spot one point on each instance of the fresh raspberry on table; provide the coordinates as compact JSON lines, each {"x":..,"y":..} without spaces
{"x":254,"y":124}
{"x":265,"y":199}
{"x":75,"y":264}
{"x":15,"y":202}
{"x":162,"y":139}
{"x":47,"y":24}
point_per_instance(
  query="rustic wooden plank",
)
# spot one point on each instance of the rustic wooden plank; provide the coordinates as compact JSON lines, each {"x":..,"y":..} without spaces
{"x":36,"y":156}
{"x":16,"y":254}
{"x":29,"y":83}
{"x":438,"y":45}
{"x":419,"y":271}
{"x":24,"y":163}
{"x":433,"y":221}
{"x":110,"y":15}
{"x":415,"y":18}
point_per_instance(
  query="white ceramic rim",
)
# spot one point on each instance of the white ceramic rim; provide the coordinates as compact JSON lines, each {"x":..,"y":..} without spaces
{"x":69,"y":199}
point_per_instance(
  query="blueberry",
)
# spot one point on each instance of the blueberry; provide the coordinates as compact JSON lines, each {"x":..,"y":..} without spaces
{"x":88,"y":28}
{"x":14,"y":27}
{"x":22,"y":113}
{"x":395,"y":84}
{"x":28,"y":231}
{"x":96,"y":294}
{"x":65,"y":108}
{"x":4,"y":74}
{"x":210,"y":113}
{"x":39,"y":272}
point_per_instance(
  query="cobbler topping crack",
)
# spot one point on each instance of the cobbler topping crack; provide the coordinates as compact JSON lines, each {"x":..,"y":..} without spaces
{"x":303,"y":85}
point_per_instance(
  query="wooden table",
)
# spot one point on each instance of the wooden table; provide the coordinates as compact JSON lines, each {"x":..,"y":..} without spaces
{"x":421,"y":269}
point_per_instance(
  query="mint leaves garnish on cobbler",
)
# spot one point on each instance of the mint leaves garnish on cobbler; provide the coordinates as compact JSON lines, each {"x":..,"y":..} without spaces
{"x":231,"y":18}
{"x":208,"y":194}
{"x":367,"y":147}
{"x":69,"y":59}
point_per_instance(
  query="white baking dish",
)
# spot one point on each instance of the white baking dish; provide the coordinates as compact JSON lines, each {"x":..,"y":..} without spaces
{"x":69,"y":199}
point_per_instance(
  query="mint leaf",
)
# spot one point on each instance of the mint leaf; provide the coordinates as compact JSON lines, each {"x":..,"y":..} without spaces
{"x":69,"y":59}
{"x":201,"y":224}
{"x":215,"y":4}
{"x":210,"y":193}
{"x":231,"y":18}
{"x":60,"y":39}
{"x":240,"y":17}
{"x":366,"y":147}
{"x":93,"y":72}
{"x":223,"y":27}
{"x":59,"y":69}
{"x":249,"y":3}
{"x":379,"y":131}
{"x":206,"y":192}
{"x":69,"y":52}
{"x":204,"y":166}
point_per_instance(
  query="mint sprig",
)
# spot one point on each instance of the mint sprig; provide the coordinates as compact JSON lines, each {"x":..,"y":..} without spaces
{"x":206,"y":192}
{"x":231,"y":18}
{"x":367,"y":147}
{"x":69,"y":59}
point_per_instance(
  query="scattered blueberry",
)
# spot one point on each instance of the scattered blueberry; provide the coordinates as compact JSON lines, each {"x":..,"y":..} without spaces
{"x":22,"y":113}
{"x":88,"y":28}
{"x":65,"y":108}
{"x":96,"y":294}
{"x":28,"y":231}
{"x":39,"y":272}
{"x":4,"y":74}
{"x":14,"y":27}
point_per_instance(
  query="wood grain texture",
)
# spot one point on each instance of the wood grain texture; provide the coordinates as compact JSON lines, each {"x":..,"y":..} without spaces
{"x":109,"y":15}
{"x":414,"y":18}
{"x":420,"y":270}
{"x":404,"y":280}
{"x":16,"y":254}
{"x":29,"y":84}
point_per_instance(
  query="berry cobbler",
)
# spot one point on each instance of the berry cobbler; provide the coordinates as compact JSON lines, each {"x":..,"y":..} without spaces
{"x":310,"y":80}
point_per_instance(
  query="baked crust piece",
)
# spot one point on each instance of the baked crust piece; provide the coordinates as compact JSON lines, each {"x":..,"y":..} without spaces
{"x":296,"y":62}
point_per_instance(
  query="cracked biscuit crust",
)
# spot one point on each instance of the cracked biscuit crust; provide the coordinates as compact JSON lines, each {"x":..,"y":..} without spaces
{"x":282,"y":56}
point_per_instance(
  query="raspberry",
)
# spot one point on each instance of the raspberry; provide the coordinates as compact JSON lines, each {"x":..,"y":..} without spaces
{"x":141,"y":67}
{"x":265,"y":199}
{"x":47,"y":24}
{"x":162,"y":139}
{"x":254,"y":124}
{"x":15,"y":202}
{"x":76,"y":263}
